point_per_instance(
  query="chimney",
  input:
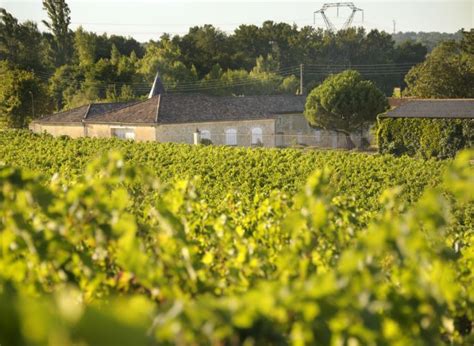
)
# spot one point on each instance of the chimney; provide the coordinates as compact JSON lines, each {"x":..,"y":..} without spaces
{"x":157,"y":88}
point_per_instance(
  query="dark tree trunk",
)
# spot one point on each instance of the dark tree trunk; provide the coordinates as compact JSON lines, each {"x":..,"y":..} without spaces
{"x":349,"y":143}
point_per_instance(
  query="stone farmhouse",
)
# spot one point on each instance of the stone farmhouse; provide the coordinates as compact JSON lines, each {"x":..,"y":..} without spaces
{"x":270,"y":121}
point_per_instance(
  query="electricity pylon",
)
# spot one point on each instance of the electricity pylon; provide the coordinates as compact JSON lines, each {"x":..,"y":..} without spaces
{"x":329,"y":25}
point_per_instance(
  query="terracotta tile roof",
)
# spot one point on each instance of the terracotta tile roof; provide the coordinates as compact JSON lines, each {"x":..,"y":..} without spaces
{"x":183,"y":108}
{"x":434,"y":108}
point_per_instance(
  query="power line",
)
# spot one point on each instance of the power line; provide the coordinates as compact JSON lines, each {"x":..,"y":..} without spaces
{"x":316,"y":70}
{"x":225,"y":84}
{"x":328,"y":71}
{"x":145,"y":87}
{"x":234,"y":82}
{"x":346,"y":65}
{"x":308,"y":20}
{"x":190,"y":84}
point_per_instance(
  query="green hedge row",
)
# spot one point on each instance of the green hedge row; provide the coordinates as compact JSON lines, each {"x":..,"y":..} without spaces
{"x":439,"y":138}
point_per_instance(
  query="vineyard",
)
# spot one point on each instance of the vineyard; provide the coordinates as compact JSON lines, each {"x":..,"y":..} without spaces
{"x":108,"y":242}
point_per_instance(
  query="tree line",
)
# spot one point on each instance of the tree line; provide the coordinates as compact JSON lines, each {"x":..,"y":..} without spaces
{"x":65,"y":68}
{"x":429,"y":39}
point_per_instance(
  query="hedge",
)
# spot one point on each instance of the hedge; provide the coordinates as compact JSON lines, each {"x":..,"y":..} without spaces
{"x":426,"y":138}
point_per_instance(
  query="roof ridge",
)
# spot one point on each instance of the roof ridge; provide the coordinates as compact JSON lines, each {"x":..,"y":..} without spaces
{"x":107,"y":103}
{"x":87,"y":111}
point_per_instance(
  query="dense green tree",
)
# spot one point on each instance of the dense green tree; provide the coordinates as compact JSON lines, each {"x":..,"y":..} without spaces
{"x":410,"y":51}
{"x":22,"y":97}
{"x":379,"y":47}
{"x":279,"y":37}
{"x":268,"y":64}
{"x":127,"y":67}
{"x":448,"y":71}
{"x":347,"y":46}
{"x":203,"y":47}
{"x":248,"y":44}
{"x":125,"y":93}
{"x":127,"y":45}
{"x":163,"y":58}
{"x":253,"y":60}
{"x":90,"y":47}
{"x":263,"y":79}
{"x":289,"y":85}
{"x":85,"y":45}
{"x":22,"y":44}
{"x":307,"y":45}
{"x":325,"y":53}
{"x":65,"y":82}
{"x":345,"y":103}
{"x":111,"y":79}
{"x":467,"y":42}
{"x":428,"y":39}
{"x":60,"y":19}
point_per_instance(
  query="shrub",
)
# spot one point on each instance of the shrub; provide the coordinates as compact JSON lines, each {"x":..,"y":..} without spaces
{"x":303,"y":271}
{"x":364,"y":143}
{"x":206,"y":141}
{"x":426,"y":138}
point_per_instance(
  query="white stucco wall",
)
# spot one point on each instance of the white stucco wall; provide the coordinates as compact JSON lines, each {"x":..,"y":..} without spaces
{"x":73,"y":131}
{"x":183,"y":133}
{"x":294,"y":129}
{"x":142,"y":133}
{"x":284,"y":130}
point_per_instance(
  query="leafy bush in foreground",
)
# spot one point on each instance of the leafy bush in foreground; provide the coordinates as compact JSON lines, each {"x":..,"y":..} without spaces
{"x":100,"y":262}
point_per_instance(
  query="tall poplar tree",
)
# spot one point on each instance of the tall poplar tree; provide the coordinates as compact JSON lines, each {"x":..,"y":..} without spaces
{"x":59,"y":21}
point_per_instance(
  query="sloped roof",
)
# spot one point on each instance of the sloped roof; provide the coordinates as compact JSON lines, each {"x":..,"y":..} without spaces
{"x":70,"y":116}
{"x":200,"y":108}
{"x":142,"y":112}
{"x":183,"y":108}
{"x":434,"y":108}
{"x":77,"y":115}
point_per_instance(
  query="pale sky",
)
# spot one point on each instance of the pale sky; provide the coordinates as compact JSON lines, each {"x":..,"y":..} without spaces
{"x":148,"y":19}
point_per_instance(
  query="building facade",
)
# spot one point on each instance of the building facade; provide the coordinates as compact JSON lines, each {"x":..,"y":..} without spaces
{"x":270,"y":121}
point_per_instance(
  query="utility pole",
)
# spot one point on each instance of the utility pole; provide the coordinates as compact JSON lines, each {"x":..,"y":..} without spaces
{"x":301,"y":79}
{"x":394,"y":27}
